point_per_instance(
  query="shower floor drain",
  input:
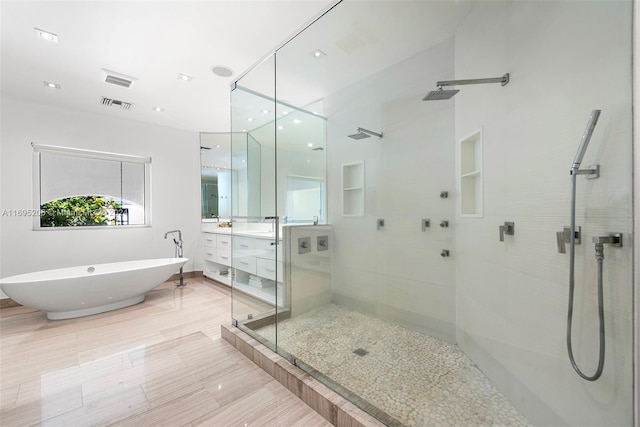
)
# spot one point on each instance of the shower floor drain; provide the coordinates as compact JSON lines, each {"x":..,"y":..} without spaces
{"x":361,"y":352}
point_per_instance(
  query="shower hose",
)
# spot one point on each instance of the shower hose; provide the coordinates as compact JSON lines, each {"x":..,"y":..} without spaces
{"x":599,"y":259}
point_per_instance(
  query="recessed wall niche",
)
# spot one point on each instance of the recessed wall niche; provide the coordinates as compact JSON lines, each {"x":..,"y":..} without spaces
{"x":470,"y":179}
{"x":353,"y":189}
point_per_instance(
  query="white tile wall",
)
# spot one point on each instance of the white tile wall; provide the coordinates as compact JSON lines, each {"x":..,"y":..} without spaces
{"x":396,"y":273}
{"x":561,"y":56}
{"x":565,"y":59}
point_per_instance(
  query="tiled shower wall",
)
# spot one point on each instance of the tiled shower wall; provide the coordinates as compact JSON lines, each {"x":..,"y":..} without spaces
{"x":504,"y":303}
{"x":565,"y":59}
{"x":396,"y":273}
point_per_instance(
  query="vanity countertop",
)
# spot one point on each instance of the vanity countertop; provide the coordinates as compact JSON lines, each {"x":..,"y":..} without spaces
{"x":244,"y":233}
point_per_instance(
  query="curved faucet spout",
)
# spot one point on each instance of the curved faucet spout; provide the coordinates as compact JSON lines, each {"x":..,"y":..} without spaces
{"x":174,"y":231}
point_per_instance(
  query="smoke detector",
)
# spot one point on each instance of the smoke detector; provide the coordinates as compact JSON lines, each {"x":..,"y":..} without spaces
{"x":115,"y":103}
{"x":116,"y":78}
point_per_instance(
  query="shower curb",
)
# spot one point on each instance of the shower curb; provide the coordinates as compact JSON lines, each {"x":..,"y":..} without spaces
{"x":330,"y":405}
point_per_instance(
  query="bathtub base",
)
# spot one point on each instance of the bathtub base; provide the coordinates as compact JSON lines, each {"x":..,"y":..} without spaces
{"x":59,"y":315}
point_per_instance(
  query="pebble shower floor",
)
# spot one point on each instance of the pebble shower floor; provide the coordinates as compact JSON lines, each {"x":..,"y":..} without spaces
{"x":416,"y":379}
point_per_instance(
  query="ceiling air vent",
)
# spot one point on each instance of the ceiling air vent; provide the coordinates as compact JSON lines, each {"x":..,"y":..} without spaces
{"x":115,"y":103}
{"x":116,"y":78}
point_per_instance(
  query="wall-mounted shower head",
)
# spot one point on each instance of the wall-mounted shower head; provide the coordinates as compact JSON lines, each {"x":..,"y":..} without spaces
{"x":365,"y":133}
{"x":437,"y":95}
{"x":440,"y":94}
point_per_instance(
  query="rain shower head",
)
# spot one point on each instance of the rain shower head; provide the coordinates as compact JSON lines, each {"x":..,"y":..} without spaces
{"x":359,"y":135}
{"x":365,"y":133}
{"x":440,"y":94}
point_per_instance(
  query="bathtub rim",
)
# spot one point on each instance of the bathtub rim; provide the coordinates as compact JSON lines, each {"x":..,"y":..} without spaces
{"x":81,"y":270}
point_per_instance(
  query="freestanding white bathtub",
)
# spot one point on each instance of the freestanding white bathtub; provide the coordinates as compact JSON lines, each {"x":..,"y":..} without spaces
{"x":65,"y":293}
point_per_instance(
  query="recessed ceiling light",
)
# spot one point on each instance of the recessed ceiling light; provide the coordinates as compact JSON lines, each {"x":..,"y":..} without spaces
{"x":244,"y":161}
{"x":297,"y":121}
{"x":308,"y":161}
{"x":250,"y":119}
{"x":265,"y":111}
{"x":184,"y":77}
{"x":222,"y":71}
{"x":310,"y":144}
{"x":280,"y":127}
{"x":284,"y":113}
{"x":45,"y":35}
{"x":52,"y":85}
{"x":244,"y":130}
{"x":217,"y":145}
{"x":318,"y":53}
{"x":158,"y":109}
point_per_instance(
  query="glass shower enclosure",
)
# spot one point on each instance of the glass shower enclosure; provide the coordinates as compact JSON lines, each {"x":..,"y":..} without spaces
{"x":416,"y":216}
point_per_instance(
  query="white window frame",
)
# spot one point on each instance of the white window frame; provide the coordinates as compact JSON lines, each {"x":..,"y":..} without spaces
{"x":38,"y":149}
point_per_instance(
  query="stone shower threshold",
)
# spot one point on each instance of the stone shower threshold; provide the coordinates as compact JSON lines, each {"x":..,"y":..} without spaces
{"x":326,"y":402}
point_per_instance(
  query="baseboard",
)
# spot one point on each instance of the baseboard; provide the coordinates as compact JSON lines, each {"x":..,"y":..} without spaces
{"x":8,"y":302}
{"x":186,"y":275}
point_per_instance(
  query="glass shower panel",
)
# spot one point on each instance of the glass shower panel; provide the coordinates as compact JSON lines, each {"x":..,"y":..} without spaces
{"x":257,"y":292}
{"x":419,"y":276}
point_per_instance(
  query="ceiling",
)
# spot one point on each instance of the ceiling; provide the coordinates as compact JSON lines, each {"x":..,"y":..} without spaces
{"x":153,"y":41}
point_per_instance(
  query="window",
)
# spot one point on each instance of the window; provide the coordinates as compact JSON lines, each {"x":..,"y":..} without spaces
{"x":83,"y":188}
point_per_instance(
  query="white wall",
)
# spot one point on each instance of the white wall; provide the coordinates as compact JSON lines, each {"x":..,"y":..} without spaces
{"x":175,"y":188}
{"x":396,"y":273}
{"x":565,"y":59}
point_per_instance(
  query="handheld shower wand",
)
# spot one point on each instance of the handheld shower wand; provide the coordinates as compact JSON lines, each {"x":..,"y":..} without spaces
{"x":584,"y":142}
{"x":575,"y":170}
{"x":178,"y":251}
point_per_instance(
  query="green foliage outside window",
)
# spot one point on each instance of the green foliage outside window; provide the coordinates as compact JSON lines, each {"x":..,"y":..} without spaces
{"x":79,"y":211}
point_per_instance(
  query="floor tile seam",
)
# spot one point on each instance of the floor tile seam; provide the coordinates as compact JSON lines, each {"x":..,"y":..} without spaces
{"x":135,"y":381}
{"x":221,"y":408}
{"x":51,"y":416}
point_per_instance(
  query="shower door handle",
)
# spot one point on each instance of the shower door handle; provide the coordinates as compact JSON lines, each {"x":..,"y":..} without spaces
{"x":507,"y":228}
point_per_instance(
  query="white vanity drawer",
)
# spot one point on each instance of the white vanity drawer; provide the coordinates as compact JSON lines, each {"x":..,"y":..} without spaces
{"x":223,"y":257}
{"x":268,"y":246}
{"x":210,"y":254}
{"x":243,"y":243}
{"x":265,"y":244}
{"x":245,"y":263}
{"x":223,"y":241}
{"x":210,"y":240}
{"x":267,"y":268}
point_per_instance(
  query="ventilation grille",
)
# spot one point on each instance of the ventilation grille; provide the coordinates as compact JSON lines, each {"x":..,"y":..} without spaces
{"x":115,"y":103}
{"x":118,"y":79}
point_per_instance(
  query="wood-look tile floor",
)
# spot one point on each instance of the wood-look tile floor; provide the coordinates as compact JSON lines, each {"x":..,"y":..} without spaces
{"x":161,"y":362}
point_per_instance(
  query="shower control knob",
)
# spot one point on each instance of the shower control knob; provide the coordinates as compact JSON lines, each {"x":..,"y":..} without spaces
{"x":444,"y":253}
{"x":444,"y":224}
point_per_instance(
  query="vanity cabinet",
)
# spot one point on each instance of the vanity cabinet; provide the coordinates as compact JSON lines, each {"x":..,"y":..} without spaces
{"x":245,"y":261}
{"x":217,"y":257}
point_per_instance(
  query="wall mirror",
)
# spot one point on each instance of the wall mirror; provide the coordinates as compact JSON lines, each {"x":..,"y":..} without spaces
{"x":216,"y":190}
{"x":291,"y":162}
